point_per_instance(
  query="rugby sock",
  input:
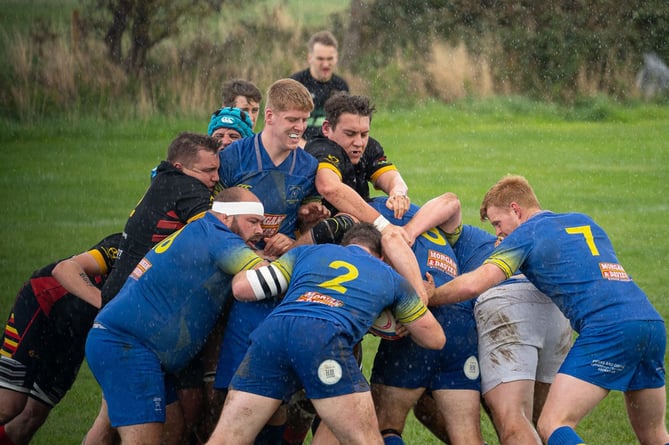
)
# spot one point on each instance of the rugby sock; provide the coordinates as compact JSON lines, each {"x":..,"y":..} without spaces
{"x":392,"y":437}
{"x":270,"y":435}
{"x":4,"y":440}
{"x":565,"y":436}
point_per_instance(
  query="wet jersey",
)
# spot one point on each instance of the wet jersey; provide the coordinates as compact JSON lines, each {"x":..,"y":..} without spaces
{"x":333,"y":157}
{"x":344,"y":285}
{"x":568,"y":257}
{"x":176,"y":293}
{"x":281,"y":189}
{"x":172,"y":200}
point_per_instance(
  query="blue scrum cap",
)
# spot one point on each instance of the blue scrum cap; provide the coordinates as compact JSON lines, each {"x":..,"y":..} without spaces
{"x":234,"y":118}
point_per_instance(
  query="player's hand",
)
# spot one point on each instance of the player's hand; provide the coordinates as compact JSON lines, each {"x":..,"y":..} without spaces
{"x":429,"y":285}
{"x":392,"y":229}
{"x":401,"y":330}
{"x":399,"y":203}
{"x":277,"y":245}
{"x":312,"y":212}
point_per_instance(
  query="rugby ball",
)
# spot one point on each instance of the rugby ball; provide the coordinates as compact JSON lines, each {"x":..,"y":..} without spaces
{"x":385,"y":326}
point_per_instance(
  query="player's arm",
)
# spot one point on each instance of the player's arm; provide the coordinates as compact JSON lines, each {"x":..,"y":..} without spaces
{"x":263,"y":282}
{"x":399,"y":255}
{"x":468,"y":285}
{"x":443,"y":211}
{"x":427,"y":332}
{"x":347,"y":200}
{"x":343,"y":197}
{"x":74,"y":275}
{"x":392,"y":183}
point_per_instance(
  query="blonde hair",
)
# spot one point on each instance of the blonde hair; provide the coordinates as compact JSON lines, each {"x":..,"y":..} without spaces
{"x":289,"y":94}
{"x":511,"y":188}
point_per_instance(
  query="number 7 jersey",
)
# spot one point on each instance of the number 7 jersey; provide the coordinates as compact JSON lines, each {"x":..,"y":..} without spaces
{"x":570,"y":258}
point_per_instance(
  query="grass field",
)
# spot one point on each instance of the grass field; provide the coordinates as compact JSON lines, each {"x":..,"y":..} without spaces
{"x":65,"y":185}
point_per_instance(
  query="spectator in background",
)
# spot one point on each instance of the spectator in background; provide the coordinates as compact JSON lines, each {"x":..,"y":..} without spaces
{"x":320,"y":79}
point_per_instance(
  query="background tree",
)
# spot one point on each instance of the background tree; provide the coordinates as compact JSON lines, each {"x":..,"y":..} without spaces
{"x":141,"y":24}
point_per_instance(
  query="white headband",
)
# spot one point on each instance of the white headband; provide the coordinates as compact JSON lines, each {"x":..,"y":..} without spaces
{"x":239,"y":208}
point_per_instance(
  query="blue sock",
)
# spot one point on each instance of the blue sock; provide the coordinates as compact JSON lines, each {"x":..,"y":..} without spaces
{"x":565,"y":436}
{"x":393,"y":440}
{"x":270,"y":435}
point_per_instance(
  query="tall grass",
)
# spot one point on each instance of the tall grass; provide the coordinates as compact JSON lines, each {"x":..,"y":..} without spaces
{"x":54,"y":67}
{"x":64,"y":184}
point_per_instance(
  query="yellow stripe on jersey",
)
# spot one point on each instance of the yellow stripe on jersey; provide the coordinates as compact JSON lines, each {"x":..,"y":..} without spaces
{"x":331,"y":167}
{"x":381,"y":171}
{"x":499,"y":262}
{"x":102,"y":264}
{"x":414,"y":314}
{"x":198,"y":216}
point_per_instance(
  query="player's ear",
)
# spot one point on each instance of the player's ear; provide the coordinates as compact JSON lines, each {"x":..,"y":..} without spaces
{"x":326,"y":128}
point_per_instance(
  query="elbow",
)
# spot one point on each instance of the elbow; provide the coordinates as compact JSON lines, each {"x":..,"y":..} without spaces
{"x":437,"y":341}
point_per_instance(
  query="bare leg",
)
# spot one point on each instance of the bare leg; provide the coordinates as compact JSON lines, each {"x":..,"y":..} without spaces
{"x":172,"y":431}
{"x":511,"y":405}
{"x":23,"y":427}
{"x":143,"y":434}
{"x":243,"y":416}
{"x":393,"y":404}
{"x":351,"y":418}
{"x":11,"y":404}
{"x":101,"y":432}
{"x":569,"y":400}
{"x":428,"y":414}
{"x":540,"y":393}
{"x":461,"y":411}
{"x":646,"y":410}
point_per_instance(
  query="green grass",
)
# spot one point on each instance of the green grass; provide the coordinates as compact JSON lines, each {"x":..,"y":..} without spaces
{"x":65,"y":185}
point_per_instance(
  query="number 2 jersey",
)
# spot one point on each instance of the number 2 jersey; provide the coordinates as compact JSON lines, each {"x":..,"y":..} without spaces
{"x":568,"y":257}
{"x":345,"y":285}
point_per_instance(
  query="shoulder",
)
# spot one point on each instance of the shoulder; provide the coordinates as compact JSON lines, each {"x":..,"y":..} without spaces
{"x":321,"y":146}
{"x":301,"y":76}
{"x":339,"y":83}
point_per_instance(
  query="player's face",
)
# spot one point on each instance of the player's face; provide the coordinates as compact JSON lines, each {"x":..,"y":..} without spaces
{"x":205,"y":168}
{"x":503,"y":219}
{"x":322,"y":62}
{"x":226,"y":136}
{"x":287,"y":126}
{"x":351,"y":133}
{"x":250,"y":106}
{"x":247,"y":227}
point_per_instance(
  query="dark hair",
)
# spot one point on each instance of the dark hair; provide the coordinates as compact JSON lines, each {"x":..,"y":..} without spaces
{"x":364,"y":234}
{"x":239,"y":87}
{"x":185,"y":147}
{"x":343,"y":102}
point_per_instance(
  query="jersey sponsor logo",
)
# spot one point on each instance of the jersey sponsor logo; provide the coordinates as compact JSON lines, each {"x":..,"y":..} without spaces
{"x":270,"y":225}
{"x":613,"y":271}
{"x":333,"y":159}
{"x":441,"y":262}
{"x":329,"y":372}
{"x":607,"y":367}
{"x":316,"y":297}
{"x":141,"y":267}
